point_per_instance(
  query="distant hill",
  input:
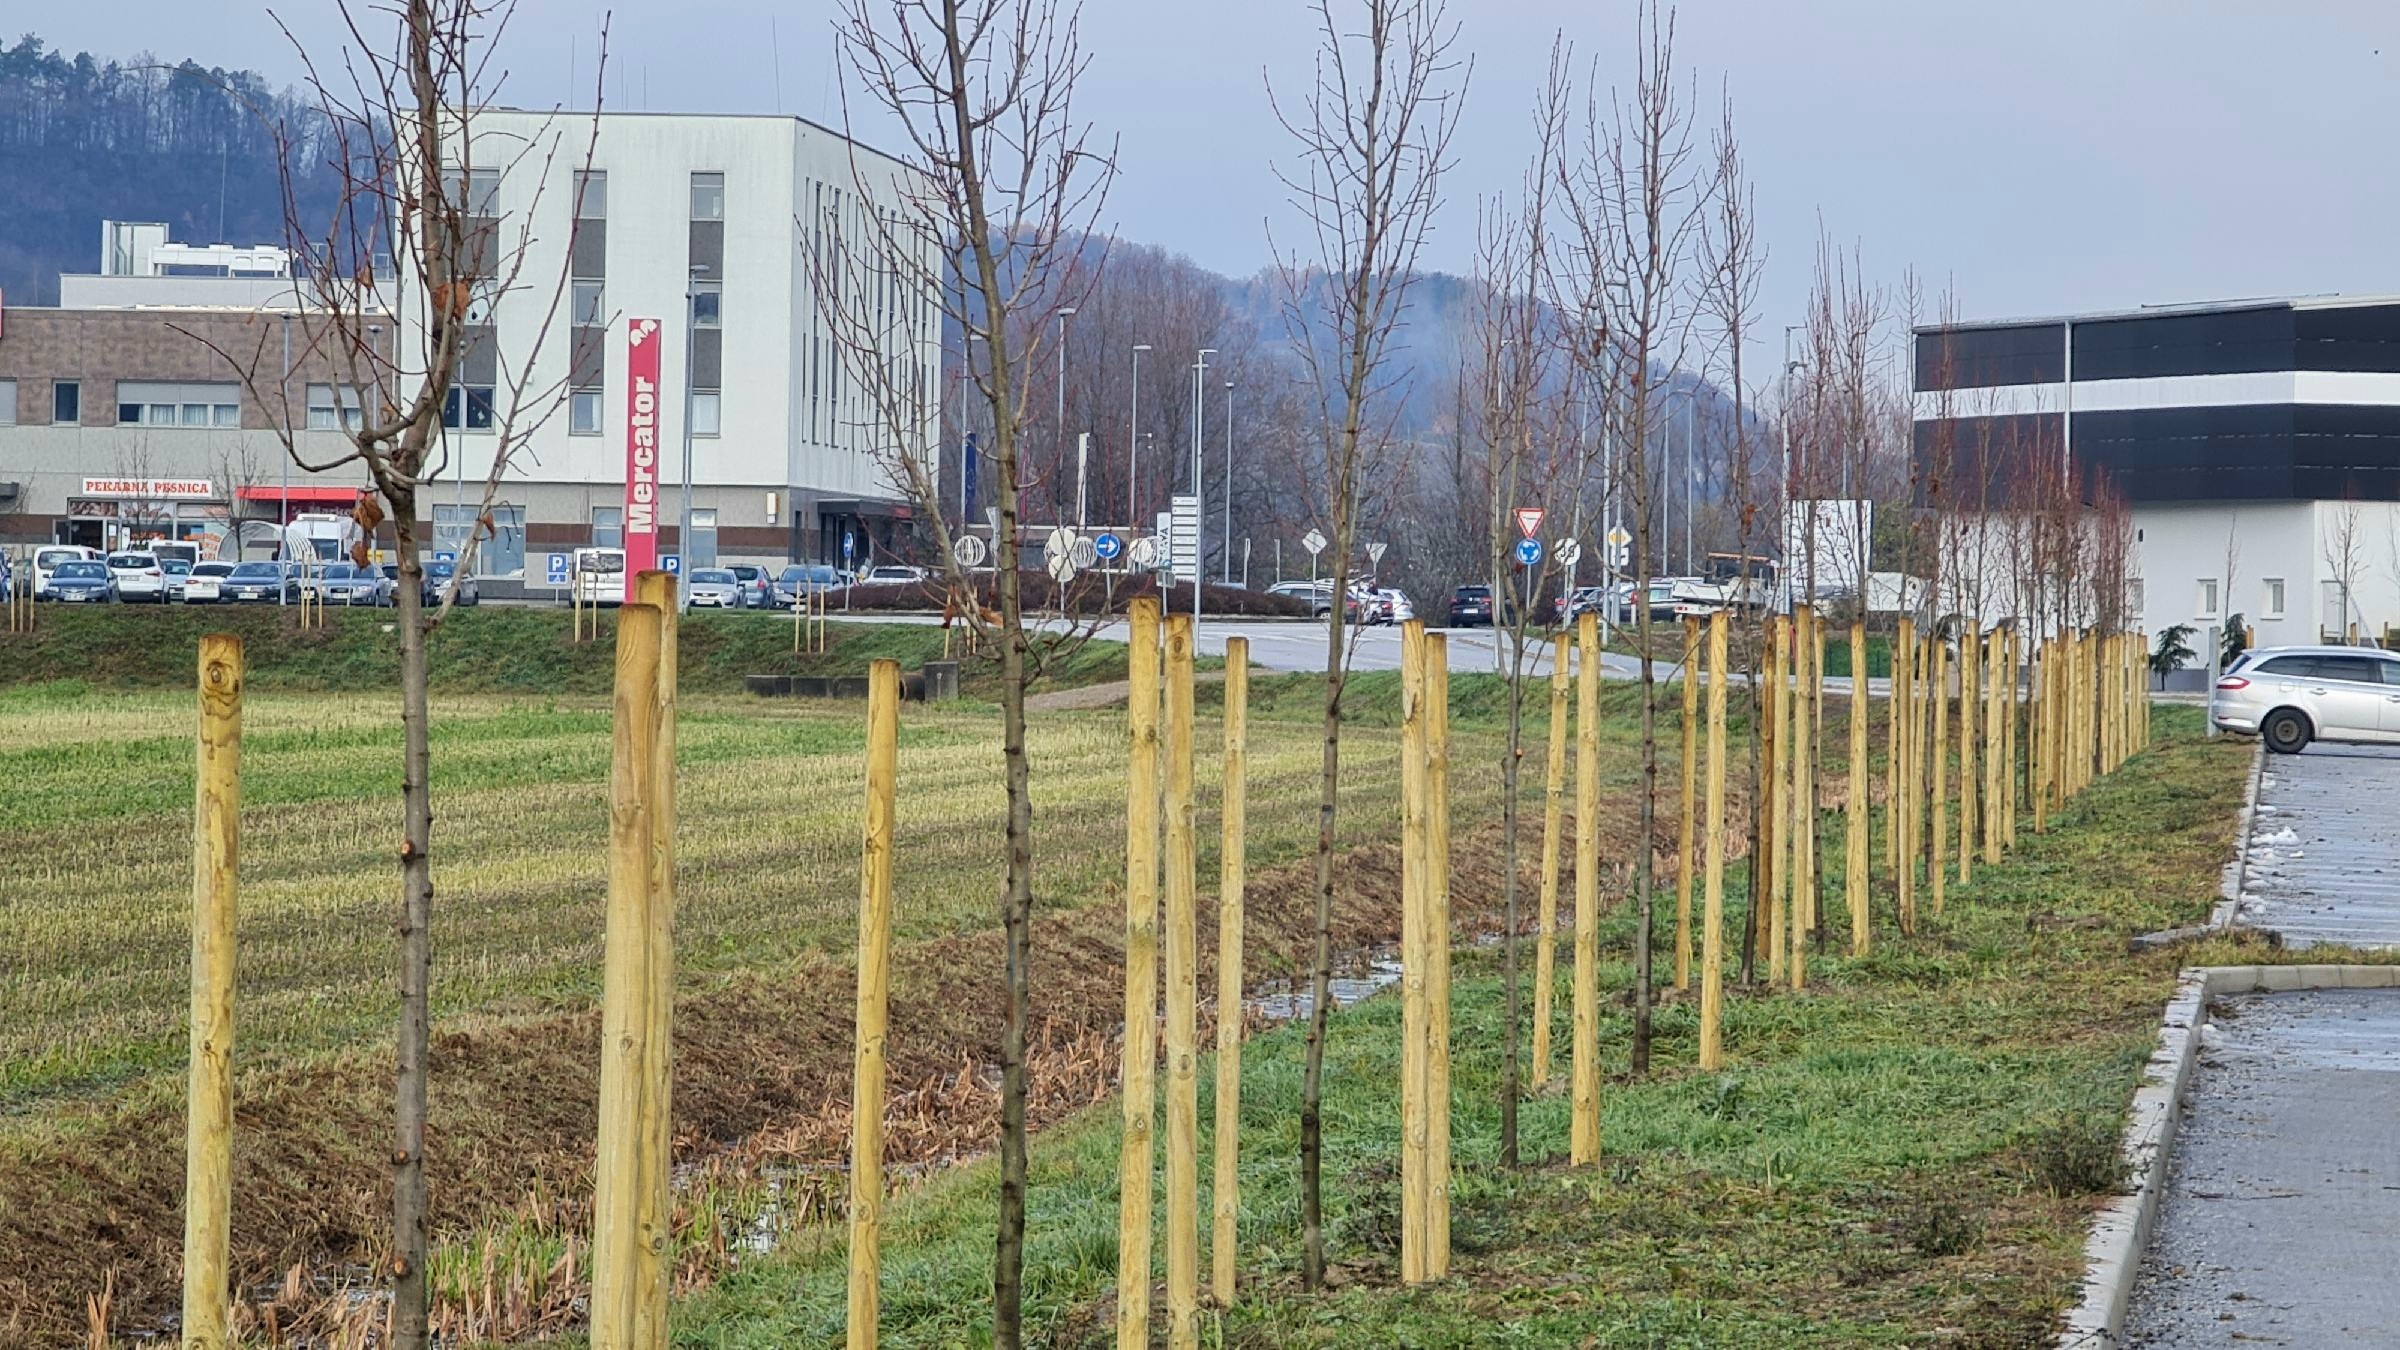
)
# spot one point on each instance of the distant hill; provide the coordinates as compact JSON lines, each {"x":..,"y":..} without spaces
{"x":84,"y":140}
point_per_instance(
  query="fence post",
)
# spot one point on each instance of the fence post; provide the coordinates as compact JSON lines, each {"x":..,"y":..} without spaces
{"x":1183,"y":1086}
{"x":1584,"y":1133}
{"x":1777,"y":792}
{"x":1970,"y":691}
{"x":1712,"y":900}
{"x":1415,"y":961}
{"x":1684,"y":841}
{"x":216,"y":856}
{"x":874,"y":1002}
{"x":2037,"y":739}
{"x":1996,"y":677}
{"x":617,"y":1169}
{"x":2010,"y":740}
{"x":1807,"y":653}
{"x":1545,"y":949}
{"x":1855,"y":854}
{"x":1138,"y":1074}
{"x":1902,"y":771}
{"x":1438,"y":934}
{"x":656,"y":1206}
{"x":1225,"y":1193}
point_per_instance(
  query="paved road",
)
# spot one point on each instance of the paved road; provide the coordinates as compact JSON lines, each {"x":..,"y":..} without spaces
{"x":2285,"y":1187}
{"x":2324,"y":863}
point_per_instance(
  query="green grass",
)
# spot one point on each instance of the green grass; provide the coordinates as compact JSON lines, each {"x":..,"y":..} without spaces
{"x":1891,"y":1157}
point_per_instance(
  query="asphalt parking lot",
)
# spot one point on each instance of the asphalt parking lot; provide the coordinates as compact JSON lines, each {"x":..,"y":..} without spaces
{"x":2324,"y":859}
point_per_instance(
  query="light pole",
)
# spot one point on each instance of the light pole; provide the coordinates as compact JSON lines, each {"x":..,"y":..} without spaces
{"x":1791,"y":483}
{"x":966,"y":376}
{"x":1228,"y":533}
{"x":1133,"y":445}
{"x":1065,"y":312}
{"x":691,"y":327}
{"x":1199,"y":514}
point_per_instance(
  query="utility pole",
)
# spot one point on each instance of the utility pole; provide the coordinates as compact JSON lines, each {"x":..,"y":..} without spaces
{"x":1228,"y":531}
{"x":1133,"y":445}
{"x":1199,"y":514}
{"x":691,"y":329}
{"x":1065,"y":312}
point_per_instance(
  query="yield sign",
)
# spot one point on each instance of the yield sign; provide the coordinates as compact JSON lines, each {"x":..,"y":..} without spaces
{"x":1529,"y":521}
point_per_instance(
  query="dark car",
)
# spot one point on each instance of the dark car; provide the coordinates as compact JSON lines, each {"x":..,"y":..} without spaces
{"x":252,"y":582}
{"x":804,"y":579}
{"x":80,"y":583}
{"x":1471,"y":607}
{"x":438,"y":577}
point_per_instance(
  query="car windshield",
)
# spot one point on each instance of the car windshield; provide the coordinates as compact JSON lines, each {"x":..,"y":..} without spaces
{"x":336,"y":572}
{"x":712,"y":577}
{"x":602,"y":562}
{"x":1474,"y":592}
{"x":52,"y":557}
{"x":261,"y":570}
{"x":213,"y":570}
{"x":441,"y":571}
{"x":84,"y":570}
{"x":746,"y":573}
{"x":131,"y":560}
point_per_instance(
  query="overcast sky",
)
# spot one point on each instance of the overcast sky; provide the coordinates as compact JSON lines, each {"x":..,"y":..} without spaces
{"x":2039,"y":155}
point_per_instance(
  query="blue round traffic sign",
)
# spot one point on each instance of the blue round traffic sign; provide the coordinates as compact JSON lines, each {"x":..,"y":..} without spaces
{"x":1529,"y":551}
{"x":1108,"y":546}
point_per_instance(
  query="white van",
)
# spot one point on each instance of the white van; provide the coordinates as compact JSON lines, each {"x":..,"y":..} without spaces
{"x":47,"y":559}
{"x":598,"y":577}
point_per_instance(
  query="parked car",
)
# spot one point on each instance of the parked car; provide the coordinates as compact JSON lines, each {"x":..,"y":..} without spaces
{"x":79,"y":581}
{"x":138,"y":577}
{"x":344,"y":584}
{"x":438,"y":581}
{"x":1393,"y":606}
{"x":894,"y":574}
{"x":252,"y":582}
{"x":714,"y":588}
{"x":46,"y":560}
{"x":804,"y":579}
{"x":205,"y":585}
{"x":178,"y":572}
{"x":1471,"y":607}
{"x":758,"y":588}
{"x":2290,"y":696}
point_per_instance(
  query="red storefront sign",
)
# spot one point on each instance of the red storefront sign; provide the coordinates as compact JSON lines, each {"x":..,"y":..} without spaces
{"x":641,"y":449}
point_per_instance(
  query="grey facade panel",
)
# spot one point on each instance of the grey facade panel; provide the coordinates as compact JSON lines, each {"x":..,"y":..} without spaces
{"x":708,"y":358}
{"x":708,"y":247}
{"x":587,"y":250}
{"x":1980,"y":358}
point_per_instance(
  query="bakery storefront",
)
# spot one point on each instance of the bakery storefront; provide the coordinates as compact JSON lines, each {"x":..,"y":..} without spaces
{"x":113,"y":513}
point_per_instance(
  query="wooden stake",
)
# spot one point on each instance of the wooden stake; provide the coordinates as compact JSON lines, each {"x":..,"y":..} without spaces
{"x":1778,"y":792}
{"x":625,"y":984}
{"x":657,"y":1197}
{"x":1225,"y":1193}
{"x":874,"y":994}
{"x":1545,"y":949}
{"x":2037,"y":740}
{"x":1856,"y":851}
{"x":1583,"y":1143}
{"x":1905,"y":810}
{"x":1138,"y":1073}
{"x":1970,"y":690}
{"x":1415,"y":960}
{"x":1437,"y":984}
{"x":1691,"y":804}
{"x":1996,"y":679}
{"x":208,"y":1128}
{"x":1805,"y":654}
{"x":1939,"y":757}
{"x":1183,"y":1081}
{"x":2013,"y":709}
{"x":1712,"y":902}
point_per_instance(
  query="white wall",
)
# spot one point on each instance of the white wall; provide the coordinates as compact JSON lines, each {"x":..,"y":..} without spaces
{"x":2179,"y":547}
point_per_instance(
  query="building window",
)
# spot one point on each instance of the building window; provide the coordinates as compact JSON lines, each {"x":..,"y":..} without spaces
{"x":704,"y":412}
{"x":703,"y":549}
{"x":500,"y":554}
{"x":708,"y":196}
{"x":608,"y":527}
{"x":2208,"y":598}
{"x":476,"y":192}
{"x":591,"y":195}
{"x":8,"y":403}
{"x":468,"y":408}
{"x":591,"y":304}
{"x":708,"y":298}
{"x":149,"y":403}
{"x":332,"y":410}
{"x":2271,"y":607}
{"x":66,"y":401}
{"x":583,"y":412}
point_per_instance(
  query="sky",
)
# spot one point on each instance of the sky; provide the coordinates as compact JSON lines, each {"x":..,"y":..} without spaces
{"x":2031,"y":156}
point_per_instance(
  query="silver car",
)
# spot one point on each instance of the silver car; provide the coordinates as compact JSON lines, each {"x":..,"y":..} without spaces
{"x":2290,"y":696}
{"x":714,"y":588}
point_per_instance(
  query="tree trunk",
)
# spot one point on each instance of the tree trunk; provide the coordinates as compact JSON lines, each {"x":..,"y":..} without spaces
{"x":1644,"y":862}
{"x":410,"y":1290}
{"x":1320,"y":984}
{"x":1510,"y":758}
{"x":1016,"y":917}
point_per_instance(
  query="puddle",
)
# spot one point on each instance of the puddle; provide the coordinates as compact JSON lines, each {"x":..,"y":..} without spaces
{"x":1286,"y":1001}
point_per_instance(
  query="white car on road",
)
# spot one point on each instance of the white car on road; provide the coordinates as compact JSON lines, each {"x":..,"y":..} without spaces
{"x":2290,"y":696}
{"x":138,"y":577}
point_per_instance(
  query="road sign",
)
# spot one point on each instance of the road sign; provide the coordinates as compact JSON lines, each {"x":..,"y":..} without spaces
{"x":1143,"y":552}
{"x":1529,"y":520}
{"x":1313,"y":542}
{"x":1059,"y":544}
{"x":1618,"y":538}
{"x":444,"y":555}
{"x":1375,"y":553}
{"x":849,"y":543}
{"x":671,"y":563}
{"x":968,"y":549}
{"x":1529,"y":552}
{"x":1084,"y":553}
{"x":1621,"y":556}
{"x":1569,"y":551}
{"x":1108,"y":546}
{"x":555,"y":567}
{"x":1062,"y":568}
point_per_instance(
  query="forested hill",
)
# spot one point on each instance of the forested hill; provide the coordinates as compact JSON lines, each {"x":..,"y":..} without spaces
{"x":84,"y":140}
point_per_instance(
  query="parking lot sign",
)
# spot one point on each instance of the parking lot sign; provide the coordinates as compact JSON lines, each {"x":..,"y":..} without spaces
{"x":555,"y":567}
{"x":444,"y":555}
{"x":671,"y":564}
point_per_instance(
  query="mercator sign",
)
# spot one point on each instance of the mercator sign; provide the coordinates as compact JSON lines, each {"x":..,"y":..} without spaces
{"x":641,"y":448}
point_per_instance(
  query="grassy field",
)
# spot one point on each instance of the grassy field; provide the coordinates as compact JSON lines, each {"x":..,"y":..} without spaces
{"x":1905,"y":1154}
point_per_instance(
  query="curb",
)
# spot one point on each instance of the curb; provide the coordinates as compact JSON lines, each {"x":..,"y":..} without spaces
{"x":2237,"y":870}
{"x":2112,"y":1252}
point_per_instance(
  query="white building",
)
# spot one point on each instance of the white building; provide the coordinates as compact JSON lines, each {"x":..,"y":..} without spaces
{"x":2255,"y":444}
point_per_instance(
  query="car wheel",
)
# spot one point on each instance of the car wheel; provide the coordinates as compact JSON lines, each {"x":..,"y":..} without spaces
{"x":2286,"y":732}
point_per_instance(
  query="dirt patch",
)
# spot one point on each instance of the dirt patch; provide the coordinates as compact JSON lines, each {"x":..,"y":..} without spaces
{"x":762,"y":1077}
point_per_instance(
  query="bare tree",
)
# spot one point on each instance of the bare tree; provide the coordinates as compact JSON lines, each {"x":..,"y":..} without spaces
{"x":1637,"y":204}
{"x":1371,"y":135}
{"x":2344,"y":546}
{"x":414,"y":237}
{"x":1004,"y":182}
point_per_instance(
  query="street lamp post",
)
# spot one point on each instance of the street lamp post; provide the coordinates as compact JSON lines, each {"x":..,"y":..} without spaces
{"x":1133,"y":445}
{"x":1065,"y":312}
{"x":1228,"y":533}
{"x":966,"y":377}
{"x":1199,"y":513}
{"x":691,"y":329}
